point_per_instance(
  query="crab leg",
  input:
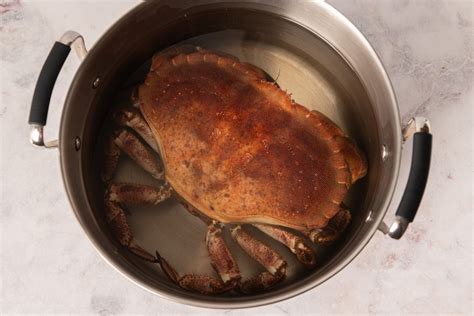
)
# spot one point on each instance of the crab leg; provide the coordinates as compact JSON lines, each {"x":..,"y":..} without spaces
{"x":263,"y":254}
{"x":132,"y":118}
{"x":221,"y":257}
{"x":127,"y":193}
{"x":295,"y":243}
{"x":129,"y":116}
{"x":221,"y":260}
{"x":193,"y":211}
{"x":135,"y":149}
{"x":117,"y":221}
{"x":199,"y":283}
{"x":112,"y":155}
{"x":121,"y":193}
{"x":266,"y":256}
{"x":259,"y":283}
{"x":333,"y":230}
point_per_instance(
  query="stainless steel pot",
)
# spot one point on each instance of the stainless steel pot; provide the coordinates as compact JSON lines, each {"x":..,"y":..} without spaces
{"x":316,"y":53}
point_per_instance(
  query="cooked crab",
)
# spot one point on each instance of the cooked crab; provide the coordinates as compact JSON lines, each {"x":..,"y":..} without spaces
{"x":235,"y":150}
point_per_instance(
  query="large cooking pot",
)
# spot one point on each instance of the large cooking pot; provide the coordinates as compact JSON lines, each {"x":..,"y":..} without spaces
{"x":311,"y":49}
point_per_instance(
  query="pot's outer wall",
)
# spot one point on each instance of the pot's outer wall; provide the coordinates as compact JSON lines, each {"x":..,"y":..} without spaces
{"x":131,"y":41}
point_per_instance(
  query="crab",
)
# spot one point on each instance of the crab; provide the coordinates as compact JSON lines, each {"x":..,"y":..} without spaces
{"x":235,"y":150}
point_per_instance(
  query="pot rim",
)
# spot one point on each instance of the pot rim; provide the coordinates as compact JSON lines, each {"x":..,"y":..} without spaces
{"x":277,"y":296}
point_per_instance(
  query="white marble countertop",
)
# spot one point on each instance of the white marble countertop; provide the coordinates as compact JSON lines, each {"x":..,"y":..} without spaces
{"x":48,"y":266}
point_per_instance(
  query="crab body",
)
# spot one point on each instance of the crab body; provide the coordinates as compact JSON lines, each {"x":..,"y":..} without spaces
{"x":235,"y":149}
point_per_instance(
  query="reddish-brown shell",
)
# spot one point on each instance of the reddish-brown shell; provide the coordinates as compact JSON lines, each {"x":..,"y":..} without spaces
{"x":237,"y":148}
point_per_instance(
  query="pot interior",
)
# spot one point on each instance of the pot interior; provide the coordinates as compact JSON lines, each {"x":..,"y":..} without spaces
{"x":299,"y":61}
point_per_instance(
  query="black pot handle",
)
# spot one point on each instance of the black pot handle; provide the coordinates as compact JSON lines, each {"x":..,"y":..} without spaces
{"x":419,"y":128}
{"x":45,"y":84}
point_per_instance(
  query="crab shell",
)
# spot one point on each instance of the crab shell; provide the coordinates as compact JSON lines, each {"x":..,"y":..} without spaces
{"x":237,"y":148}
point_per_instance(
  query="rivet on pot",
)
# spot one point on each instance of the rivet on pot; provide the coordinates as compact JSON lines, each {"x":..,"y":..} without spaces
{"x":96,"y":83}
{"x":384,"y":152}
{"x":77,"y":143}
